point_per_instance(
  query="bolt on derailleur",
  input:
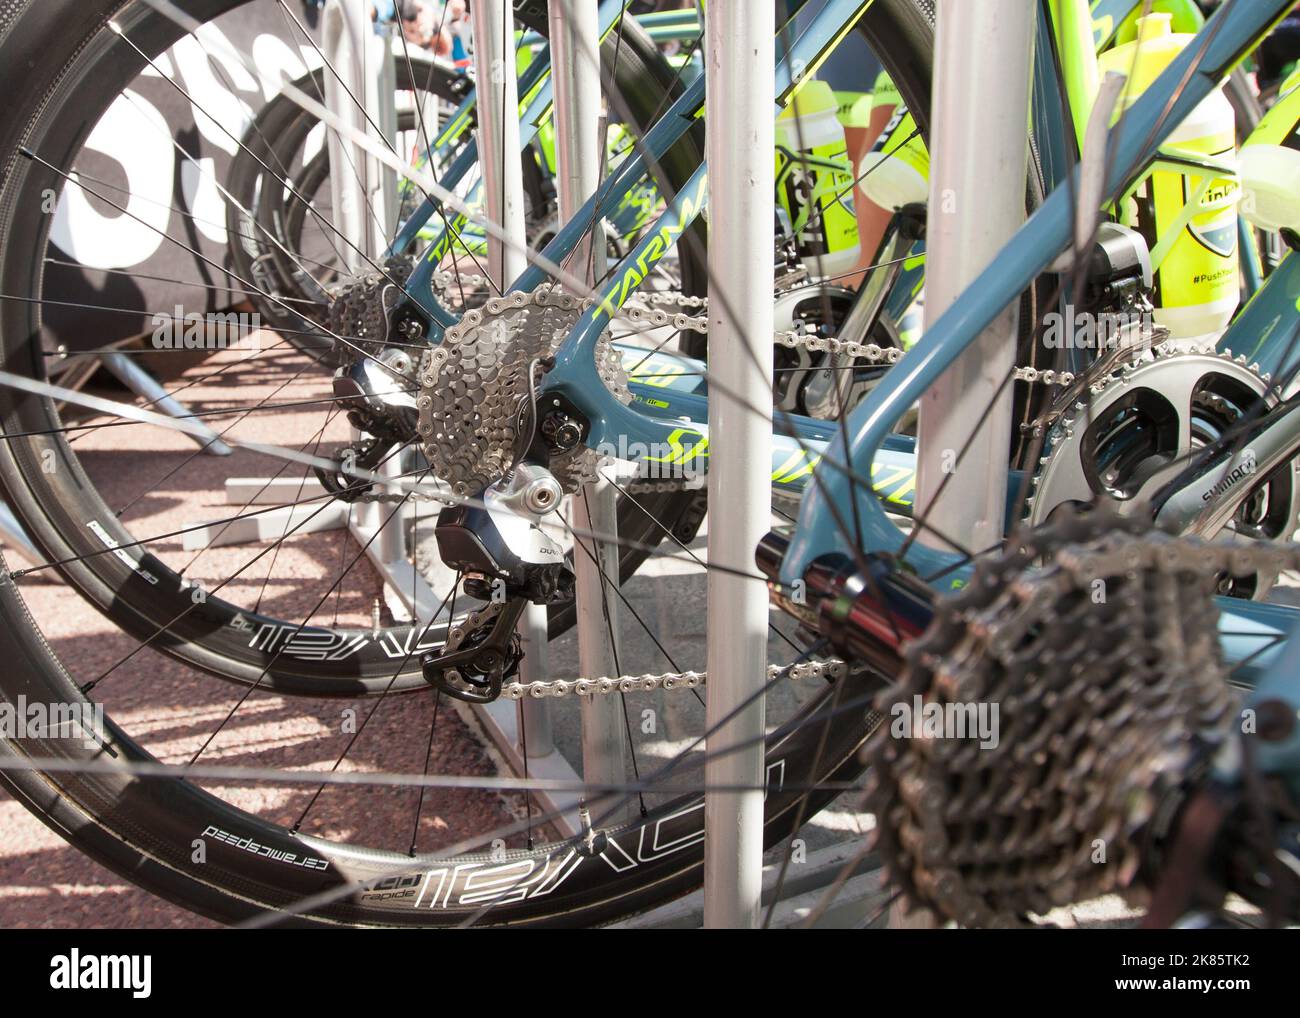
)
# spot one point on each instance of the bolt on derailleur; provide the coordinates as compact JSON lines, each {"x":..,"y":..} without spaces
{"x":507,"y":560}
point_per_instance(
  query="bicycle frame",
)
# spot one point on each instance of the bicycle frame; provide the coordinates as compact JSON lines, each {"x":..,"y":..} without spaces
{"x":666,"y":421}
{"x":1227,"y":37}
{"x":651,"y":423}
{"x":1067,"y":28}
{"x":659,"y":432}
{"x":669,"y":386}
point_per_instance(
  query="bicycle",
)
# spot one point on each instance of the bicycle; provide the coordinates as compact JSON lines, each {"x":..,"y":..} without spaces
{"x":808,"y":772}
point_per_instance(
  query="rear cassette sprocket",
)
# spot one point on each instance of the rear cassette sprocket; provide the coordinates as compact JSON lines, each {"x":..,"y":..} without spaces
{"x":475,"y":383}
{"x":1094,"y":639}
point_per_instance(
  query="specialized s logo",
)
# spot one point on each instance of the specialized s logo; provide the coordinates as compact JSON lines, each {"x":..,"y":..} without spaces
{"x":652,"y":249}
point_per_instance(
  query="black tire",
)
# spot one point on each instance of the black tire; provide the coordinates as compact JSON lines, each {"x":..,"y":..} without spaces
{"x":147,"y":598}
{"x":272,"y":220}
{"x":144,"y":827}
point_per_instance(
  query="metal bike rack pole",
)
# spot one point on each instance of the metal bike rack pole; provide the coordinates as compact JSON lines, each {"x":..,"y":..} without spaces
{"x":138,"y":380}
{"x":979,"y":152}
{"x":364,"y":191}
{"x":362,"y":90}
{"x":739,"y":65}
{"x":594,"y":510}
{"x":15,"y":538}
{"x":500,"y":162}
{"x":503,"y":187}
{"x":575,"y":43}
{"x":502,"y":174}
{"x":575,"y":49}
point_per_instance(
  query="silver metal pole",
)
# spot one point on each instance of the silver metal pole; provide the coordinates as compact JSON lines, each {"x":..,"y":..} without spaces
{"x":741,"y":89}
{"x":594,"y":510}
{"x":979,"y":147}
{"x":979,"y":150}
{"x":347,"y":40}
{"x":503,"y":185}
{"x":575,"y":40}
{"x":534,"y":716}
{"x":498,"y":135}
{"x":15,"y":537}
{"x":575,"y":52}
{"x":361,"y":90}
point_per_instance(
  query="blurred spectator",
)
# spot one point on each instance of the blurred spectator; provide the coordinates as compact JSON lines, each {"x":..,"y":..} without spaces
{"x":441,"y":27}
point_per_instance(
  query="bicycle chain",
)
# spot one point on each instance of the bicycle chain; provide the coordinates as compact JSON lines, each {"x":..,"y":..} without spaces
{"x":831,"y":668}
{"x":473,"y":382}
{"x":352,"y":318}
{"x":640,"y":311}
{"x":1101,"y":700}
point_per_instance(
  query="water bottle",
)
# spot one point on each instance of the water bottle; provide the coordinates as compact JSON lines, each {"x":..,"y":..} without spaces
{"x":896,"y":172}
{"x":1270,"y":164}
{"x":1190,"y":226}
{"x":814,"y":181}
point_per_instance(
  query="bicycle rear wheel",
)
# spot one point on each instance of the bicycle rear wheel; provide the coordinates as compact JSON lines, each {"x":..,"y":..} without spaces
{"x":146,"y":825}
{"x":145,"y":580}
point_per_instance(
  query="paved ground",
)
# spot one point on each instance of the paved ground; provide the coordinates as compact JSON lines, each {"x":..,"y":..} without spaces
{"x":154,"y":481}
{"x":157,"y":484}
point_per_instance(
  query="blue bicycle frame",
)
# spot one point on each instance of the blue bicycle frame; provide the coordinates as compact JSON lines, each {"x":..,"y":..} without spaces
{"x":812,"y":454}
{"x":1189,"y":78}
{"x":1035,"y":246}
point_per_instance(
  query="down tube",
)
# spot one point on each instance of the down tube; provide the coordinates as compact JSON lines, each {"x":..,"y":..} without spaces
{"x":1230,"y":34}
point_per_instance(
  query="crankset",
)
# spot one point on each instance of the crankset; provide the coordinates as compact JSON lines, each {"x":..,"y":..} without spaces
{"x":1141,"y":424}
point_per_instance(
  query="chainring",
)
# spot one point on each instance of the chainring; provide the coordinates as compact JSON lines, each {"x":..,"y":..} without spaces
{"x":1143,"y":421}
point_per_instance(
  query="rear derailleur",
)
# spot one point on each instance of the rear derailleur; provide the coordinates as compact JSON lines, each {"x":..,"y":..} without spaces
{"x":374,"y":381}
{"x":507,"y":560}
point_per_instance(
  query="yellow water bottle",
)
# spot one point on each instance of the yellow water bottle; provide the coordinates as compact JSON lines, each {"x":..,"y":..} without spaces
{"x":814,"y":181}
{"x":896,"y":172}
{"x":1189,"y":220}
